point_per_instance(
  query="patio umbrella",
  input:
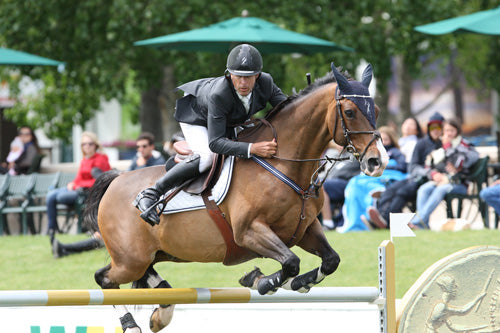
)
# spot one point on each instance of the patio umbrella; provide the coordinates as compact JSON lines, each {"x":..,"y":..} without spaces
{"x":485,"y":22}
{"x":12,"y":57}
{"x":223,"y":36}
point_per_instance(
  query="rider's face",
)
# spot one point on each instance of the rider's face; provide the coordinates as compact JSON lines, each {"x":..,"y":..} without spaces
{"x":243,"y":84}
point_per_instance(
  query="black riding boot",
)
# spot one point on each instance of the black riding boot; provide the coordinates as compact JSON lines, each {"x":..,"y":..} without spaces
{"x":177,"y":175}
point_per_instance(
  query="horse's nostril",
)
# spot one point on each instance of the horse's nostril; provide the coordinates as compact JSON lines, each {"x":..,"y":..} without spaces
{"x":373,"y":163}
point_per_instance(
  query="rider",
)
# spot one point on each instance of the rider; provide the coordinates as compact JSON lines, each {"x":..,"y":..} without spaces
{"x":208,"y":113}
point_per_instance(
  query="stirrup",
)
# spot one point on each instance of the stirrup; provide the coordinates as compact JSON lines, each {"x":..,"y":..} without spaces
{"x":149,"y":217}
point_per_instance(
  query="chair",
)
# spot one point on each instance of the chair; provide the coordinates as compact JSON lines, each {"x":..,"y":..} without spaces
{"x":36,"y":201}
{"x":70,"y":211}
{"x":479,"y":179}
{"x":14,"y":198}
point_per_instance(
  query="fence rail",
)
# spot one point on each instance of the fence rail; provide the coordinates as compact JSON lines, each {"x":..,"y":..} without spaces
{"x":183,"y":296}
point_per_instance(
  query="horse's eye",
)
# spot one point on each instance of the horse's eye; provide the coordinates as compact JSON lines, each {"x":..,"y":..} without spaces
{"x":349,"y":113}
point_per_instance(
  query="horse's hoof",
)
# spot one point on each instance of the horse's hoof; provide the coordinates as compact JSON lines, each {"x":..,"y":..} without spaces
{"x":161,"y":317}
{"x":249,"y":279}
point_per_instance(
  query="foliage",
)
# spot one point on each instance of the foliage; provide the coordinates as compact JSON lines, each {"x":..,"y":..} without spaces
{"x":95,"y":40}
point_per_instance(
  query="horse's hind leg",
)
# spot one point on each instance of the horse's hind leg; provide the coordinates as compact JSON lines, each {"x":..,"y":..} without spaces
{"x":126,"y":319}
{"x":162,"y":315}
{"x":315,"y":242}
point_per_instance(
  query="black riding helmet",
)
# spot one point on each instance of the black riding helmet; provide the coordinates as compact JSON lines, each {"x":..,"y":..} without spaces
{"x":244,"y":60}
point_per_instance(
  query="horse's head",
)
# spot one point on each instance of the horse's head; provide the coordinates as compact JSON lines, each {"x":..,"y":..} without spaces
{"x":352,"y":122}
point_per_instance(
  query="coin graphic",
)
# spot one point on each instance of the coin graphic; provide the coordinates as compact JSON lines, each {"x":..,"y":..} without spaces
{"x":459,"y":293}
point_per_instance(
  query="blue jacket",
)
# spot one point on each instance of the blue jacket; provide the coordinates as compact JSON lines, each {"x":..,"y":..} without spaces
{"x":398,"y":159}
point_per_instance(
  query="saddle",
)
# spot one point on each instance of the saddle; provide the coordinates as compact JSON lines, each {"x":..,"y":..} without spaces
{"x":202,"y":185}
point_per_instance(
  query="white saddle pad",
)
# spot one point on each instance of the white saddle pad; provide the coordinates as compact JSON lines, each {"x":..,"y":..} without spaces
{"x":184,"y":201}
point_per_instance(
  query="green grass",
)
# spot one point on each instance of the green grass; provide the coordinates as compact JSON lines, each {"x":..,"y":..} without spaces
{"x":27,"y":262}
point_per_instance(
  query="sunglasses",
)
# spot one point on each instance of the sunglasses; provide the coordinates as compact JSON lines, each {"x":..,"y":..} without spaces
{"x":24,"y":133}
{"x":435,"y":127}
{"x":87,"y":144}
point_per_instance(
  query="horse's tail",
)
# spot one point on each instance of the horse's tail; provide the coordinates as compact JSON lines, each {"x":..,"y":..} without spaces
{"x":94,"y":197}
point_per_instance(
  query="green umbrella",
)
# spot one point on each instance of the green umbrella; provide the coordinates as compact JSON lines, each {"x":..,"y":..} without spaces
{"x":223,"y":36}
{"x":12,"y":57}
{"x":485,"y":22}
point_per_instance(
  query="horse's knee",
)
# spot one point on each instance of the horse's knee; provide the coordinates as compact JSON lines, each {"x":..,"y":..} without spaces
{"x":102,"y":279}
{"x":291,"y":266}
{"x":330,"y":264}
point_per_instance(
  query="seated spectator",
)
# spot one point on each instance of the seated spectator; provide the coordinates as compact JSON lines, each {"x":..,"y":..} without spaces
{"x":491,"y":195}
{"x":146,"y":154}
{"x":410,"y":133}
{"x":334,"y":186}
{"x":21,"y":163}
{"x":397,"y":195}
{"x":91,"y":166}
{"x":358,"y":190}
{"x":449,"y":166}
{"x":61,"y":250}
{"x":16,"y":149}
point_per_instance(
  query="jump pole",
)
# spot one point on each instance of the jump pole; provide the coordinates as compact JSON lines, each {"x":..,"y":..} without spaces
{"x":383,"y":296}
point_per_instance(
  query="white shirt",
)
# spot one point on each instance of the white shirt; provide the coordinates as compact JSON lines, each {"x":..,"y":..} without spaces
{"x":245,"y":100}
{"x":246,"y":103}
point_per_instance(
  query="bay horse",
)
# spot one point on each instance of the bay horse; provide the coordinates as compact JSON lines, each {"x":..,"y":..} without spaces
{"x":267,"y":217}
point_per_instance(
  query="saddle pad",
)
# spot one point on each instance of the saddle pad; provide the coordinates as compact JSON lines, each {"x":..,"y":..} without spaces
{"x":184,"y":201}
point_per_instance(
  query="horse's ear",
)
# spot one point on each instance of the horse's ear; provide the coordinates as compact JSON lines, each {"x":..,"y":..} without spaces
{"x":344,"y":85}
{"x":366,"y":78}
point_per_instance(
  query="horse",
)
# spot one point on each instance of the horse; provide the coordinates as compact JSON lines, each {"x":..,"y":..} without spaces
{"x":265,"y":214}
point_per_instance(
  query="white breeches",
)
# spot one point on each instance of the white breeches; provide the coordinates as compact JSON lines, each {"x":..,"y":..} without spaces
{"x":197,"y":139}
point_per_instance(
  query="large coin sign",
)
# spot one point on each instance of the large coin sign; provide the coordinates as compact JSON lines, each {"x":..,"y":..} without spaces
{"x":459,"y":293}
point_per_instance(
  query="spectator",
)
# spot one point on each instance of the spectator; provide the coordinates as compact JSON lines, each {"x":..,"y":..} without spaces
{"x":146,"y":154}
{"x":491,"y":195}
{"x":91,"y":166}
{"x":398,"y":194}
{"x":410,"y":133}
{"x":358,"y":190}
{"x":449,"y":167}
{"x":334,"y":186}
{"x":61,"y":250}
{"x":16,"y":149}
{"x":22,"y":163}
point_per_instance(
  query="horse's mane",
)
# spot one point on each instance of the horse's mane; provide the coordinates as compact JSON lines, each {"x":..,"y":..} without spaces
{"x":326,"y":79}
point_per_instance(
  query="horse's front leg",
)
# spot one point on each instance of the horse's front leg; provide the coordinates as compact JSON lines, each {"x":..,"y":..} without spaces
{"x":259,"y":238}
{"x":315,"y":242}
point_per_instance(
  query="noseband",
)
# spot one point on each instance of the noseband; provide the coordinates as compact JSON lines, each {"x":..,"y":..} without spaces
{"x":348,"y":145}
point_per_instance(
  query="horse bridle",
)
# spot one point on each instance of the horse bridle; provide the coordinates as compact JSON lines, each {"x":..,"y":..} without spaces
{"x":348,"y":145}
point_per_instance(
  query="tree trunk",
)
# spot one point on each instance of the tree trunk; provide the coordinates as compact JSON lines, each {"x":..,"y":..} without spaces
{"x":457,"y":89}
{"x":382,"y":101}
{"x":167,"y":100}
{"x":404,"y":88}
{"x":150,"y":113}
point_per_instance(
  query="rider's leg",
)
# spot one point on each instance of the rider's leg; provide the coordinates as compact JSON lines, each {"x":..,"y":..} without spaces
{"x":197,"y":139}
{"x":180,"y":173}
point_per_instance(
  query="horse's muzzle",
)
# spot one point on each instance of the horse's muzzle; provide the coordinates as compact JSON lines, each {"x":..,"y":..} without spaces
{"x":374,"y":161}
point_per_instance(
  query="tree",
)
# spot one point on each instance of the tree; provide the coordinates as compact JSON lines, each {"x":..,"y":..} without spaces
{"x":95,"y":39}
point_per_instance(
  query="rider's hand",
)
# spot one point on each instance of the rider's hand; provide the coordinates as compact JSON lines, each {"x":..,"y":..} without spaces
{"x":264,"y":149}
